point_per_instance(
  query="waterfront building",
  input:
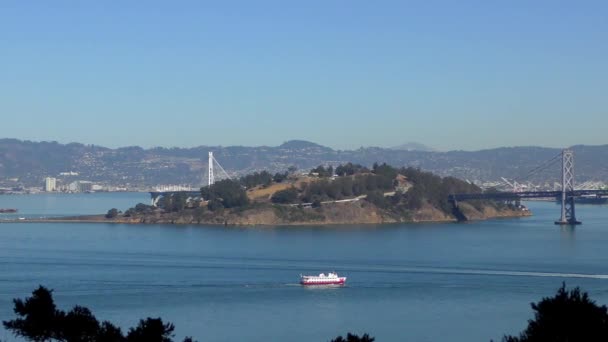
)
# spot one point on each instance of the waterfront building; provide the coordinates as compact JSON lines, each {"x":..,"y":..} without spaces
{"x":85,"y":186}
{"x":50,"y":184}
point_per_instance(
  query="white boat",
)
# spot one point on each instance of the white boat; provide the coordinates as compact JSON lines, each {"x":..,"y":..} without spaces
{"x":330,"y":278}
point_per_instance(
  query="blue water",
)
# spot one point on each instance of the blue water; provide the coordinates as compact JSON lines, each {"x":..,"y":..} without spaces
{"x":58,"y":204}
{"x":418,"y":282}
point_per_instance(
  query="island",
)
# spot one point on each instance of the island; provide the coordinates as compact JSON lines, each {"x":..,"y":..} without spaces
{"x":348,"y":194}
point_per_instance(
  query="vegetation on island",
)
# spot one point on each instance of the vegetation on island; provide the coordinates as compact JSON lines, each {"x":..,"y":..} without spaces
{"x":348,"y":193}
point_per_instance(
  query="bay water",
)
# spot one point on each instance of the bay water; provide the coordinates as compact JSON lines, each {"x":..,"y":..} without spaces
{"x":406,"y":282}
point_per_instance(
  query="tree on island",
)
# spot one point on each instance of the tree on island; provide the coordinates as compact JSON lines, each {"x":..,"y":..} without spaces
{"x":39,"y":320}
{"x":350,"y":169}
{"x":228,"y":193}
{"x":112,"y":213}
{"x":568,"y":316}
{"x":289,"y":195}
{"x":322,"y":171}
{"x":280,"y":177}
{"x":263,"y":178}
{"x":174,"y":202}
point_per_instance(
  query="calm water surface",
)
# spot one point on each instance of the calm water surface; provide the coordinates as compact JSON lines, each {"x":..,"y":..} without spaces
{"x":418,"y":282}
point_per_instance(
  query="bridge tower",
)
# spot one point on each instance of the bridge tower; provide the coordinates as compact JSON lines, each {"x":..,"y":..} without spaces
{"x":568,"y":216}
{"x":211,"y":176}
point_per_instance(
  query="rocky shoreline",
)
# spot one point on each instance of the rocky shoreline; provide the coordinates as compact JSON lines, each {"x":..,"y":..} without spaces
{"x":273,"y":215}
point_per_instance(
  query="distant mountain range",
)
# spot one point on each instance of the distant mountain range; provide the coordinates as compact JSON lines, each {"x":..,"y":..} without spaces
{"x":27,"y":162}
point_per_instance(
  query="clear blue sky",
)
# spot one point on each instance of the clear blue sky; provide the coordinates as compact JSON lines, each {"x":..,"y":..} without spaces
{"x":449,"y":74}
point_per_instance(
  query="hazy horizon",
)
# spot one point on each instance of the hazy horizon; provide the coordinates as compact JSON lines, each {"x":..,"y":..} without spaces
{"x":169,"y":146}
{"x":452,"y":76}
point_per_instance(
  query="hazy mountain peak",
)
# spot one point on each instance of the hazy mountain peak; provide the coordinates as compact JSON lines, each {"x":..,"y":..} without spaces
{"x":300,"y":144}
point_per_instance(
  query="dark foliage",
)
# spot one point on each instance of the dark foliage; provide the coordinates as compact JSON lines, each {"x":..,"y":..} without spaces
{"x":347,"y":186}
{"x":215,"y":205}
{"x":79,"y":325}
{"x":112,"y":213}
{"x":256,"y":178}
{"x":350,"y":169}
{"x":151,"y":330}
{"x":378,"y":199}
{"x":354,"y":338}
{"x":39,"y":320}
{"x":140,"y":209}
{"x":385,"y":170}
{"x":432,"y":189}
{"x":229,"y":193}
{"x":568,"y":316}
{"x":173,"y":203}
{"x":110,"y":333}
{"x":322,"y":171}
{"x":280,"y":177}
{"x":285,"y":196}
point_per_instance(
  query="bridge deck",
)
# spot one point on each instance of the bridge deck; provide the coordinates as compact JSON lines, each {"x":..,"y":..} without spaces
{"x":525,"y":194}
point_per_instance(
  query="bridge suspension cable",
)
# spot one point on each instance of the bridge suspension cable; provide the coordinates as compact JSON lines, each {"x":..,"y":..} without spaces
{"x":211,"y":175}
{"x":519,"y":180}
{"x":543,"y":166}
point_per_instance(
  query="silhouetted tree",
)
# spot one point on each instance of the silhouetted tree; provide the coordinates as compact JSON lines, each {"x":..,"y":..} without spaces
{"x":354,"y":338}
{"x":110,"y":333}
{"x":39,"y":320}
{"x":151,"y":330}
{"x":79,"y":325}
{"x":38,"y":317}
{"x":568,"y":316}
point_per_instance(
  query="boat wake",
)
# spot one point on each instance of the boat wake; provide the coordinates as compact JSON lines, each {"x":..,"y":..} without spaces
{"x":488,"y":272}
{"x":522,"y":273}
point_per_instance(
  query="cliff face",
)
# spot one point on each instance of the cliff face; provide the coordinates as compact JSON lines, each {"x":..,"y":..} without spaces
{"x":359,"y":212}
{"x":474,"y":214}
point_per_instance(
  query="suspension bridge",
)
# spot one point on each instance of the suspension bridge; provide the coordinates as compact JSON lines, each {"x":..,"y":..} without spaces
{"x":212,"y":165}
{"x":566,"y":195}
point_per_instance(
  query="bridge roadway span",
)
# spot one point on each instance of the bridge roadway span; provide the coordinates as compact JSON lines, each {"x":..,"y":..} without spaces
{"x":189,"y":193}
{"x":156,"y":195}
{"x":525,"y":194}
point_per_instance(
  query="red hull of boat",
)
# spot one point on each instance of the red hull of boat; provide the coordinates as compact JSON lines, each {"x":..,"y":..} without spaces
{"x":329,"y":282}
